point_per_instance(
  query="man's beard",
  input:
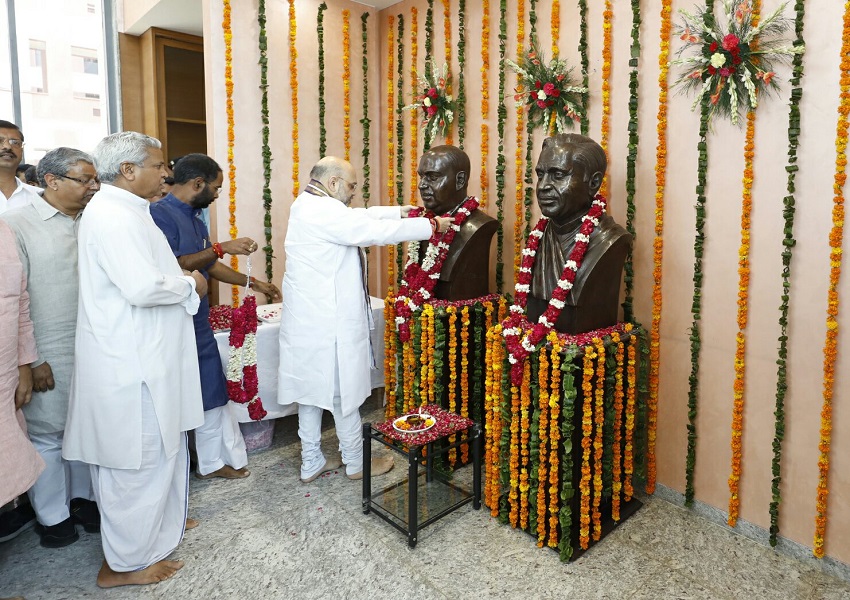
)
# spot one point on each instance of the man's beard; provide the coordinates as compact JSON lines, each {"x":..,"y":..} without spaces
{"x":203,"y":199}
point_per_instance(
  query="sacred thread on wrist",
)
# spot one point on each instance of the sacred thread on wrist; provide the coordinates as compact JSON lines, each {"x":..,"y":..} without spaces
{"x":218,"y":250}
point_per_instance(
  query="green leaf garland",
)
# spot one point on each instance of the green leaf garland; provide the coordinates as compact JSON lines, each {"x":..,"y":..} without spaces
{"x":461,"y":85}
{"x":268,"y":249}
{"x":788,"y":243}
{"x":321,"y":31}
{"x":529,"y":144}
{"x":631,"y":161}
{"x":568,"y":409}
{"x":365,"y":121}
{"x":502,"y":112}
{"x":399,"y":124}
{"x":429,"y":40}
{"x":585,"y":65}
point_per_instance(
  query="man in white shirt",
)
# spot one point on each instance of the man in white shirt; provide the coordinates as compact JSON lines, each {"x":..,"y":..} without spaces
{"x":135,"y":388}
{"x":13,"y":192}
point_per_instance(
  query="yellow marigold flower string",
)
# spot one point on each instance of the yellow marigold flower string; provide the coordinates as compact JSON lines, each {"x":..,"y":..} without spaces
{"x":543,"y":434}
{"x":743,"y":308}
{"x":599,"y":422}
{"x":607,"y":44}
{"x":464,"y":375}
{"x":631,"y":395}
{"x":496,"y":418}
{"x":389,"y":356}
{"x":524,"y":449}
{"x":617,"y":471}
{"x":554,"y":439}
{"x":452,"y":342}
{"x":836,"y":237}
{"x":483,"y":177}
{"x":658,"y":243}
{"x":586,"y":443}
{"x":488,"y":424}
{"x":519,"y":205}
{"x":425,"y":352}
{"x":447,"y":40}
{"x":231,"y":135}
{"x":293,"y":84}
{"x":346,"y":84}
{"x":513,"y":493}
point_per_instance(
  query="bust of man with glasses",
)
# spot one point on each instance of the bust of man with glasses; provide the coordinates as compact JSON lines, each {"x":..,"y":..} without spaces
{"x":14,"y":191}
{"x":443,"y":180}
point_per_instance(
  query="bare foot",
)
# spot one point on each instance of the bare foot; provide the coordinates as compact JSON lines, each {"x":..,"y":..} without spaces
{"x":155,"y":573}
{"x":191,"y":523}
{"x":226,"y":472}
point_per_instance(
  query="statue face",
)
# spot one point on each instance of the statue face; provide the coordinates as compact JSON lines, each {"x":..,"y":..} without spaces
{"x":441,"y":186}
{"x":563,"y":187}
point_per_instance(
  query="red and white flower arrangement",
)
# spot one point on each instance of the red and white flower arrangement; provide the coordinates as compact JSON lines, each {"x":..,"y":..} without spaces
{"x":419,"y":280}
{"x":434,"y":100}
{"x":521,"y":337}
{"x":242,"y":382}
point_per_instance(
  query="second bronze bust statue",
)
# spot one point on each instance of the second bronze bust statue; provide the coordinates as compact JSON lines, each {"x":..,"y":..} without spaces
{"x":569,"y":171}
{"x":443,"y":181}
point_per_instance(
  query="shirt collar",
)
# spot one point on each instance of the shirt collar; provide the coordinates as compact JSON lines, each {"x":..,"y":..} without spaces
{"x":187,"y":208}
{"x":123,"y":194}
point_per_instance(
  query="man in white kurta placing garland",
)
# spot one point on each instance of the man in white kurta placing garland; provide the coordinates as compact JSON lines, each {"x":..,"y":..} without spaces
{"x":46,"y":239}
{"x":325,"y":352}
{"x":135,"y":390}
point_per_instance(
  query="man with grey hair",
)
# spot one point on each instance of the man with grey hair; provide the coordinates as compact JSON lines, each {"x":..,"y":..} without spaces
{"x":135,"y":388}
{"x":46,"y":237}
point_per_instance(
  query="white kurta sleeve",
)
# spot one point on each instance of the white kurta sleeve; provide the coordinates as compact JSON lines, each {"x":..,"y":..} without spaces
{"x":125,"y":255}
{"x":356,"y":227}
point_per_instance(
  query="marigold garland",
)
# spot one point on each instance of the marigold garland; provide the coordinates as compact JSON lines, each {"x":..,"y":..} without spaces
{"x":605,"y":130}
{"x":483,"y":176}
{"x":836,"y":237}
{"x":293,"y":84}
{"x":616,"y":473}
{"x":346,"y":84}
{"x":414,"y":118}
{"x":365,"y":121}
{"x":452,"y":311}
{"x":394,"y":252}
{"x":266,"y":152}
{"x":464,"y":374}
{"x":320,"y":30}
{"x":231,"y":136}
{"x":631,"y":162}
{"x":598,"y":430}
{"x":788,"y":243}
{"x":513,"y":492}
{"x":543,"y":436}
{"x":520,"y":127}
{"x":524,"y":439}
{"x":556,"y":27}
{"x":447,"y":45}
{"x":586,"y":443}
{"x":390,"y":349}
{"x":631,"y":402}
{"x":658,"y":242}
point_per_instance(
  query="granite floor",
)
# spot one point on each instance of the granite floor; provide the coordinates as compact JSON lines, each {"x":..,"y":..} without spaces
{"x":269,"y":536}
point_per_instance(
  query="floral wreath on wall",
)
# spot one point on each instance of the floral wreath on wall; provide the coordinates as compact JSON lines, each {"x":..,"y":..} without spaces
{"x":437,"y":105}
{"x":730,"y":68}
{"x":551,"y":97}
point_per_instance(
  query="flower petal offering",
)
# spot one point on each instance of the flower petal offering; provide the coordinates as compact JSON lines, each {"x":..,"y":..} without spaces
{"x":414,"y":423}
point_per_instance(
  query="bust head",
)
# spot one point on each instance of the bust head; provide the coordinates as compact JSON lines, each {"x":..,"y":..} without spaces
{"x":569,"y":172}
{"x":443,"y":177}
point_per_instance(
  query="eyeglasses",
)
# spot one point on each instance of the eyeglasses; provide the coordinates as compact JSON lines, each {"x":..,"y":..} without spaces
{"x":13,"y":142}
{"x":352,"y":186}
{"x":83,"y":182}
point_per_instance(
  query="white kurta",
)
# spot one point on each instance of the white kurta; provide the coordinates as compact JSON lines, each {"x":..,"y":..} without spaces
{"x":324,"y":324}
{"x":134,"y":327}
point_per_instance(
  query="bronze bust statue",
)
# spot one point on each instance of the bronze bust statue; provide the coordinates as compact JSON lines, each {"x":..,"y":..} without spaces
{"x":569,"y":171}
{"x":443,"y":179}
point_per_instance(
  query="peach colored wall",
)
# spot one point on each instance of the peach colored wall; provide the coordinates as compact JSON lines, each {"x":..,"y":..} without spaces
{"x":810,"y":264}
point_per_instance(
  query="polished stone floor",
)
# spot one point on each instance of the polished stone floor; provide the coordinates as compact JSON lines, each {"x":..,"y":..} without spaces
{"x":269,"y":536}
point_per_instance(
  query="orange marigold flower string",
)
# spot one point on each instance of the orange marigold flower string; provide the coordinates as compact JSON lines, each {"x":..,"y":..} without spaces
{"x":617,"y":470}
{"x":293,"y":84}
{"x":554,"y":439}
{"x":525,"y":450}
{"x":836,"y":237}
{"x":464,"y":375}
{"x":599,"y":422}
{"x":519,"y":205}
{"x":658,"y":243}
{"x":605,"y":134}
{"x":346,"y":84}
{"x":631,"y":397}
{"x":447,"y":40}
{"x":586,"y":443}
{"x":389,"y":357}
{"x":743,"y":309}
{"x":452,"y":342}
{"x":231,"y":135}
{"x":414,"y":116}
{"x":496,"y":418}
{"x":488,"y":406}
{"x":543,"y":435}
{"x":483,"y":177}
{"x":556,"y":28}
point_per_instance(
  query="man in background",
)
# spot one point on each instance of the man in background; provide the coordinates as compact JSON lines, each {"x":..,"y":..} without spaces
{"x":13,"y":191}
{"x":197,"y":181}
{"x":46,"y":239}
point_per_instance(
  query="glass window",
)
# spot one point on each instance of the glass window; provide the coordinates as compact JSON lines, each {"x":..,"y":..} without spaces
{"x":38,"y":67}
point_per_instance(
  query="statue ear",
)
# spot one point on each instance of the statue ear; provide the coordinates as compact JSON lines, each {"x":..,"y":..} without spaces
{"x":596,"y":181}
{"x":460,"y":180}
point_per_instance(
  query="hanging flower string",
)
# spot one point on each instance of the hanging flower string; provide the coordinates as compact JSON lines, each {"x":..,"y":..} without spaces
{"x":399,"y":123}
{"x":242,"y":382}
{"x":419,"y":280}
{"x":836,"y":237}
{"x":521,"y":338}
{"x":586,"y":443}
{"x":461,"y":65}
{"x":556,"y":27}
{"x":788,"y":244}
{"x":365,"y":121}
{"x":392,"y":250}
{"x":520,"y":128}
{"x":631,"y":161}
{"x":605,"y":129}
{"x":293,"y":84}
{"x":501,"y":163}
{"x":658,"y":242}
{"x":585,"y":65}
{"x":320,"y":30}
{"x":231,"y":135}
{"x":346,"y":84}
{"x":414,"y":120}
{"x":483,"y":177}
{"x":447,"y":44}
{"x":268,"y":249}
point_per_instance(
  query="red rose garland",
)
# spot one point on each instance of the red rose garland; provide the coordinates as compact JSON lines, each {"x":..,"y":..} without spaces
{"x":242,"y":383}
{"x":419,"y":280}
{"x":521,"y":337}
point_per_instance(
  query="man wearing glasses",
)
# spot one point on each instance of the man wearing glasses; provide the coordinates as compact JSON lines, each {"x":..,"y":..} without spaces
{"x":46,"y":238}
{"x":14,"y":191}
